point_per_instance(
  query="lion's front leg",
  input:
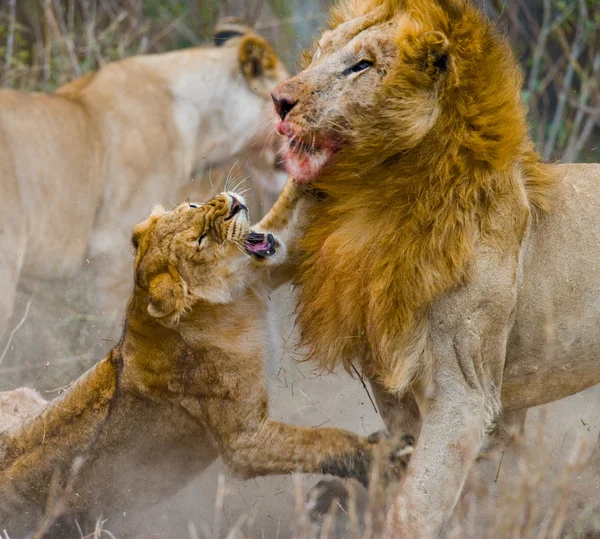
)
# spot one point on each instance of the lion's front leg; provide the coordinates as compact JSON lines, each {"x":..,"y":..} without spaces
{"x":468,"y":332}
{"x":450,"y":439}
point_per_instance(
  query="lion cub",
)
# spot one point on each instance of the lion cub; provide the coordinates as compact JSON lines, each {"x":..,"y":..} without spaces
{"x":184,"y":385}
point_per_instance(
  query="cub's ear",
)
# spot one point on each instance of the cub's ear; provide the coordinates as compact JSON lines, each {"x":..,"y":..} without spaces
{"x":432,"y":51}
{"x":142,"y":228}
{"x":166,"y":296}
{"x":256,"y":57}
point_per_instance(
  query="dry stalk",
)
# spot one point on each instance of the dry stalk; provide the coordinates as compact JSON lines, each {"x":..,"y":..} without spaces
{"x":57,"y":503}
{"x":301,"y":524}
{"x":14,"y":330}
{"x":219,"y":499}
{"x":10,"y":38}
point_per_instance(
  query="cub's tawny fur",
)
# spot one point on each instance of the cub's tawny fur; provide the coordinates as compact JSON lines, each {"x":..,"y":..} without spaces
{"x":184,"y":385}
{"x":443,"y":248}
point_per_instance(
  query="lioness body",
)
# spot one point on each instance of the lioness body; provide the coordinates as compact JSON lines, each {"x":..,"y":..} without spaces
{"x":78,"y":166}
{"x":445,"y":257}
{"x":184,"y":385}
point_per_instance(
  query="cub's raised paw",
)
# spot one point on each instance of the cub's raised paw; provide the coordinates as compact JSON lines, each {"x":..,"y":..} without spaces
{"x":393,"y":452}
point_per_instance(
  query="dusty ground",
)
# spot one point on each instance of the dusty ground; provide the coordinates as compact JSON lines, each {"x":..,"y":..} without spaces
{"x":57,"y":342}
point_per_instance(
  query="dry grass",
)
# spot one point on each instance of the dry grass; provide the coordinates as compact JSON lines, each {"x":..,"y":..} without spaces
{"x":46,"y":43}
{"x":534,"y":497}
{"x":558,"y":42}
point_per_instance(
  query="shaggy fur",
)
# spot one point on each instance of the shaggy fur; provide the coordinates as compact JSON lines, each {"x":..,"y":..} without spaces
{"x":360,"y":298}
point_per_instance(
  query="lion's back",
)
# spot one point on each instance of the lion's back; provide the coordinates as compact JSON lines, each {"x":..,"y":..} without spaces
{"x":554,"y":343}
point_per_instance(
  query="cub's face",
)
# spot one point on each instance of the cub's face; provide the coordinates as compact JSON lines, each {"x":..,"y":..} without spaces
{"x":366,"y":94}
{"x":197,"y":252}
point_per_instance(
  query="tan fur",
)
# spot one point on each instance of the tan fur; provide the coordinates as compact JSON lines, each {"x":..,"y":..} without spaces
{"x":184,"y":385}
{"x":423,"y":260}
{"x":80,"y":165}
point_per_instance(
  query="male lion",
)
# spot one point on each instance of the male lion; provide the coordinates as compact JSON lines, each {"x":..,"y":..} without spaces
{"x":78,"y":166}
{"x":459,"y":270}
{"x":184,"y":385}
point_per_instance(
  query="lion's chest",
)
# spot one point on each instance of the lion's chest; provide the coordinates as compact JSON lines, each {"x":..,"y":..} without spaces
{"x":335,"y":303}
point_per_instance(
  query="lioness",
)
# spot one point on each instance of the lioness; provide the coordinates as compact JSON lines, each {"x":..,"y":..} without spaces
{"x":184,"y":385}
{"x":445,"y":257}
{"x":77,"y":167}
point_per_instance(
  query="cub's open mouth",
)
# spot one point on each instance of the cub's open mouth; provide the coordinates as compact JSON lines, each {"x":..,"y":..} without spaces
{"x":260,"y":245}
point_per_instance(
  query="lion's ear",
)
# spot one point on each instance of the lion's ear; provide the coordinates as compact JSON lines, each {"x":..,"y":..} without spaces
{"x":166,"y":296}
{"x":256,"y":58}
{"x":432,"y":51}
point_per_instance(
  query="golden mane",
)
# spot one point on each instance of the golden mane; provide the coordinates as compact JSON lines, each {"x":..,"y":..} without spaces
{"x":393,"y":235}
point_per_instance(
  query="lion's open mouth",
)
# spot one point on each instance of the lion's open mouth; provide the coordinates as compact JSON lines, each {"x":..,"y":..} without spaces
{"x":260,"y":245}
{"x":304,"y":159}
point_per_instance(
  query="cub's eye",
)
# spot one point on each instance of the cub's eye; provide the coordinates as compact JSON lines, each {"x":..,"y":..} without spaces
{"x":201,"y":239}
{"x":358,"y":67}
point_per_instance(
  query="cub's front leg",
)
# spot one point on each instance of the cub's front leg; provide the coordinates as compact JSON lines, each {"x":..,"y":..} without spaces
{"x":252,"y":444}
{"x":279,"y":448}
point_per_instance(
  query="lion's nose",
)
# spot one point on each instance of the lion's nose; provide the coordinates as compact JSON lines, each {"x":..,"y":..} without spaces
{"x":283,"y":105}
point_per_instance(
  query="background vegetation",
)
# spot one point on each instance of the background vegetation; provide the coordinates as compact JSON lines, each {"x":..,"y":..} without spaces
{"x":45,"y":43}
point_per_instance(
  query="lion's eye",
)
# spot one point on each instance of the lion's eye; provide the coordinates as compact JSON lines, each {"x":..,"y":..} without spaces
{"x":358,"y":67}
{"x":201,"y":239}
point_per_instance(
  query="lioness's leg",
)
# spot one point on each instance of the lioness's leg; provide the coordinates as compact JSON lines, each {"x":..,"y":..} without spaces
{"x":286,"y":220}
{"x":13,"y":239}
